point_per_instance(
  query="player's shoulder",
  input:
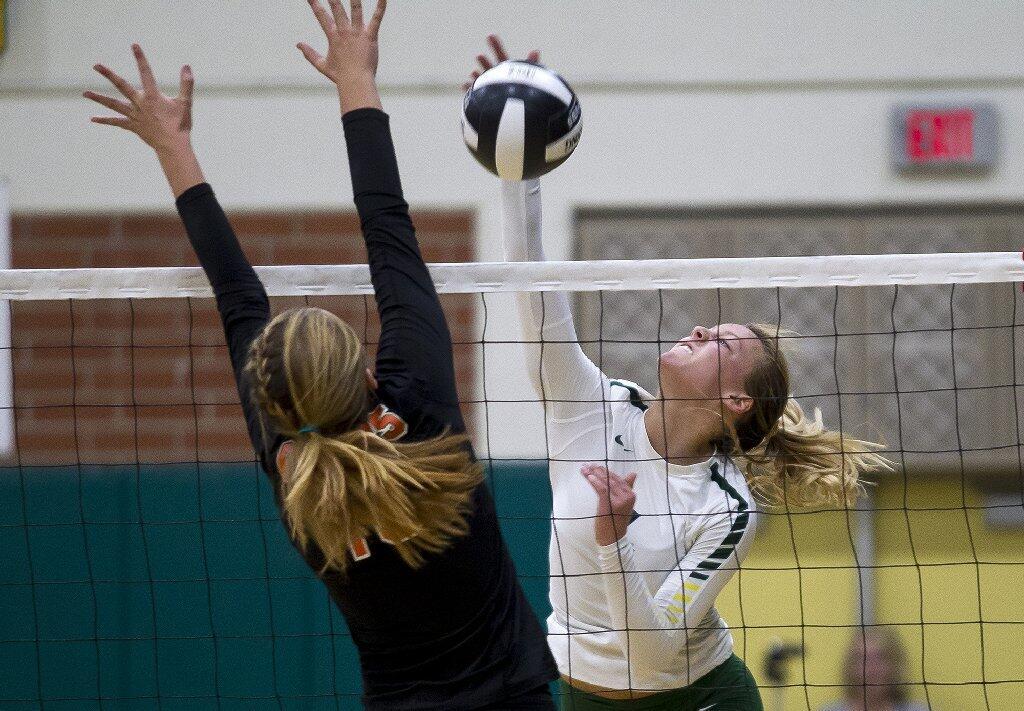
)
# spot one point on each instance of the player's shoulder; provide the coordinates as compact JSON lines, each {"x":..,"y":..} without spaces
{"x":628,"y":393}
{"x":728,"y":511}
{"x":727,"y":488}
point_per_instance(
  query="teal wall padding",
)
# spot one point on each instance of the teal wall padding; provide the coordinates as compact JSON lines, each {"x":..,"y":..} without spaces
{"x":112,"y":593}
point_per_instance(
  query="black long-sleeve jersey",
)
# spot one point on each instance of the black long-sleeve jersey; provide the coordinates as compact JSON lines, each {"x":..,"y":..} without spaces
{"x":456,"y":633}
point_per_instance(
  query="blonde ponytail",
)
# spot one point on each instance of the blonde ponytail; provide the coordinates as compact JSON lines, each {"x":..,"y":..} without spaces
{"x":804,"y":465}
{"x":416,"y":495}
{"x":789,"y":459}
{"x":340,"y":483}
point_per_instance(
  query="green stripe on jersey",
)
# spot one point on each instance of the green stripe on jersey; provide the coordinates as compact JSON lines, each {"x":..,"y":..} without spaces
{"x":634,"y":395}
{"x":736,"y":531}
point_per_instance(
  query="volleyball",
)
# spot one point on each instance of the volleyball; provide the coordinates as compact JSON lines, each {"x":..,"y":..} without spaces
{"x":521,"y":120}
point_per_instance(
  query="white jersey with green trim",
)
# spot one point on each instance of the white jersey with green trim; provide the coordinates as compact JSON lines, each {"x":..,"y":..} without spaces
{"x":638,"y":614}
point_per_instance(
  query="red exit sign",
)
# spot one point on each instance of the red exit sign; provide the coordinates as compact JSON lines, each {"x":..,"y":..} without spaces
{"x":940,"y":135}
{"x":944,"y":136}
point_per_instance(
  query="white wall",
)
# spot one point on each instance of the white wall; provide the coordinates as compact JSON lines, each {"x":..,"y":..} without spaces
{"x":250,"y":43}
{"x":684,"y":103}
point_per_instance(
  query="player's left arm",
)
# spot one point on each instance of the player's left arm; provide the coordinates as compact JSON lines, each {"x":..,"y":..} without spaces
{"x":654,"y":625}
{"x":415,"y":341}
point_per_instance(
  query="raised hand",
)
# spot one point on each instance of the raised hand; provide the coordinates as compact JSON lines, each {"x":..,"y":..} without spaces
{"x":163,"y":122}
{"x":352,"y":51}
{"x":615,"y":501}
{"x":500,"y":55}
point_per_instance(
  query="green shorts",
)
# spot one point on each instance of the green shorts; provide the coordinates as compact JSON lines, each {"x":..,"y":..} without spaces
{"x":727,"y":687}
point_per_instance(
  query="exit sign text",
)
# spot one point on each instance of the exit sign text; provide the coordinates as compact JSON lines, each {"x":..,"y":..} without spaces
{"x":940,"y":136}
{"x":944,"y":137}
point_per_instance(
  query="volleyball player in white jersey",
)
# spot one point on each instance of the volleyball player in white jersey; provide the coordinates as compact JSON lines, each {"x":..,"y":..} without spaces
{"x":653,"y":511}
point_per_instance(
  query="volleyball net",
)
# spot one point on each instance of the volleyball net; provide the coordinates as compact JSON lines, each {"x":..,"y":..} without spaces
{"x":143,"y":563}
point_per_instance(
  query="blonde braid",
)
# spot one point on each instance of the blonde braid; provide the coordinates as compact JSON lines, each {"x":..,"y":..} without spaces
{"x":260,"y":374}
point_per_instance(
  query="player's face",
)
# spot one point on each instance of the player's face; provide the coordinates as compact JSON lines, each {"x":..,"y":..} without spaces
{"x":710,"y":363}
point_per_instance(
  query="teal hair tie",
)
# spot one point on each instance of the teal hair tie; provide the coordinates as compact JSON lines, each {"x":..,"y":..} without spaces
{"x":306,"y":429}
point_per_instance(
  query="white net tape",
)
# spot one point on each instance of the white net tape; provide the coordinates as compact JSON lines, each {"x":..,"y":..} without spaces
{"x":609,"y":275}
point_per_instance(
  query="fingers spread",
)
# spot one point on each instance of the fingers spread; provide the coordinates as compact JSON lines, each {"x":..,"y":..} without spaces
{"x":185,"y":96}
{"x":186,"y":85}
{"x":600,"y":479}
{"x":378,"y":14}
{"x":589,"y":474}
{"x":326,"y":23}
{"x":499,"y":49}
{"x":357,"y":14}
{"x":145,"y":71}
{"x":126,"y":89}
{"x":473,"y":76}
{"x":311,"y":55}
{"x":614,"y":480}
{"x":338,"y":10}
{"x":484,"y":62}
{"x":121,"y":107}
{"x":111,"y":121}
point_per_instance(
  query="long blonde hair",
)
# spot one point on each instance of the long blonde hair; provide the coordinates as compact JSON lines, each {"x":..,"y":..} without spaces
{"x":791,"y":459}
{"x":341,"y":483}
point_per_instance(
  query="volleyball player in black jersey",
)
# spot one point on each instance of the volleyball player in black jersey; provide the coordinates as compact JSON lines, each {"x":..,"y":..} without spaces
{"x":376,"y":483}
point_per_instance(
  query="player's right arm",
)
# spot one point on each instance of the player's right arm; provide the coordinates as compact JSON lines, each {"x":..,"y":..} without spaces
{"x":165,"y":124}
{"x":568,"y":381}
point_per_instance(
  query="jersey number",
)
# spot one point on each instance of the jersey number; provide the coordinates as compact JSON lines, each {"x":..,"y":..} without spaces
{"x":385,"y":423}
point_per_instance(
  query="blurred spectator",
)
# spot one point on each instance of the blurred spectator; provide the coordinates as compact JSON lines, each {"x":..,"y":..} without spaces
{"x":874,"y":674}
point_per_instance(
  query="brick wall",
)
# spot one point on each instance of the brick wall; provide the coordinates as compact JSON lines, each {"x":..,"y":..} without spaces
{"x":149,"y":380}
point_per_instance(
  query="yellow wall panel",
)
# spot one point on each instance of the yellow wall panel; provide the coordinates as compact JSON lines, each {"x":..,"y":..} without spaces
{"x":943,"y":565}
{"x":798,"y":585}
{"x":938,"y":561}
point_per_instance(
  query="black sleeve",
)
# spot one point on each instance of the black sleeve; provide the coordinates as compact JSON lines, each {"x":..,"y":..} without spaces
{"x":415,"y":344}
{"x":241,"y":299}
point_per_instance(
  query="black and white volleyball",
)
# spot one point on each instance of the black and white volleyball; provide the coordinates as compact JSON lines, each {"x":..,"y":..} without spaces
{"x":521,"y":120}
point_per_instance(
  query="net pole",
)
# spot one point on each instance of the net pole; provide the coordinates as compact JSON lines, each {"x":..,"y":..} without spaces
{"x":864,"y":547}
{"x":6,"y":372}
